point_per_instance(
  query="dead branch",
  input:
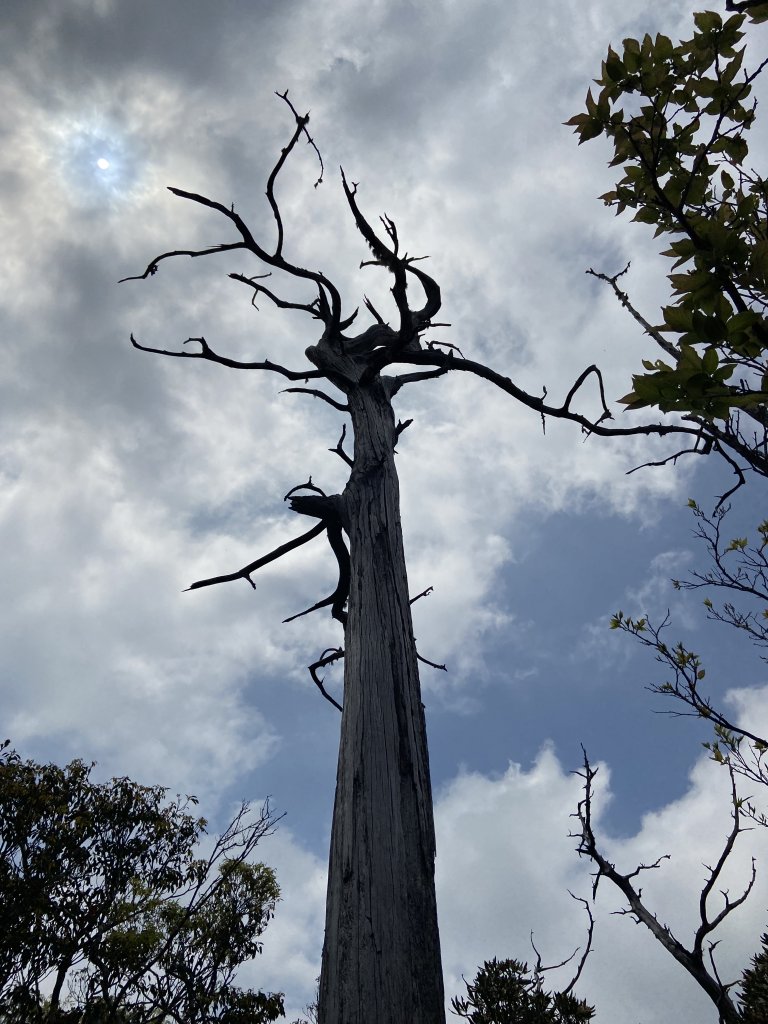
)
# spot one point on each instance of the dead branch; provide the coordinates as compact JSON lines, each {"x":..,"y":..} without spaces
{"x":245,"y":572}
{"x":587,"y":948}
{"x":152,"y":267}
{"x":395,"y":383}
{"x":326,"y":509}
{"x":206,"y":352}
{"x":310,"y":140}
{"x":373,"y":311}
{"x":317,"y":394}
{"x":444,"y":344}
{"x":339,"y":449}
{"x":260,"y":289}
{"x":401,"y":426}
{"x":412,"y":322}
{"x":450,"y":362}
{"x":308,"y":486}
{"x":327,"y":305}
{"x":539,"y":968}
{"x":432,"y":664}
{"x":339,"y":548}
{"x":301,"y":126}
{"x":325,"y":288}
{"x":691,"y":959}
{"x":707,"y":927}
{"x":315,"y":607}
{"x":328,"y":656}
{"x":424,"y":593}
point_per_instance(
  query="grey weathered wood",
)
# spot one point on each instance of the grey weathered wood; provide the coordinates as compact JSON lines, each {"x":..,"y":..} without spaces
{"x":381,"y":958}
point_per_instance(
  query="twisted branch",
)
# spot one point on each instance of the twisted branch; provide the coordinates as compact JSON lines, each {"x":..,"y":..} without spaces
{"x":449,"y":361}
{"x":692,"y":960}
{"x":328,"y":656}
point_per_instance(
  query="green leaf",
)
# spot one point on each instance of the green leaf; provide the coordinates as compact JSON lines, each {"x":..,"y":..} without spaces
{"x":710,"y":360}
{"x":677,"y":318}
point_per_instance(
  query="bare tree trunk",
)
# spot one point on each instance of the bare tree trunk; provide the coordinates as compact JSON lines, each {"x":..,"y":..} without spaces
{"x":381,"y":958}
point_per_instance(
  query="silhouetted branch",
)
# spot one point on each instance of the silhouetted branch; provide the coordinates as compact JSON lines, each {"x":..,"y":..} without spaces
{"x":339,"y":449}
{"x":373,"y":311}
{"x":692,"y":960}
{"x":588,"y":947}
{"x":412,"y":322}
{"x":245,"y":572}
{"x":308,"y":486}
{"x":271,"y":259}
{"x":301,"y":126}
{"x":328,"y":303}
{"x":449,"y":362}
{"x":395,"y":383}
{"x":206,"y":352}
{"x":444,"y":344}
{"x":260,"y":289}
{"x":432,"y":664}
{"x":401,"y":426}
{"x":328,"y":656}
{"x":310,"y":140}
{"x":326,"y":509}
{"x":152,"y":267}
{"x":707,"y":927}
{"x":606,"y":415}
{"x":318,"y":394}
{"x":315,"y":607}
{"x":424,"y":593}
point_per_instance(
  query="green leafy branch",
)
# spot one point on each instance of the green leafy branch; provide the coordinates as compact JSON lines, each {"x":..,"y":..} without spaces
{"x":677,"y":117}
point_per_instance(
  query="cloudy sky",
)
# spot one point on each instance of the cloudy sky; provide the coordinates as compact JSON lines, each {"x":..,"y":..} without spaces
{"x":126,"y":476}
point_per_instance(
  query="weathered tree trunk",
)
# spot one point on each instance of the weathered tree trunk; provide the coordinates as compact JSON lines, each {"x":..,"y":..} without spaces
{"x":381,"y":957}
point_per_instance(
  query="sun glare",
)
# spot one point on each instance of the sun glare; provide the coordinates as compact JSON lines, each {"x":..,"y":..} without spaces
{"x":102,"y":163}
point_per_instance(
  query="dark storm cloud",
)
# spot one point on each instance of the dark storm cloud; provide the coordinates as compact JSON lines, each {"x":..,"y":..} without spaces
{"x":65,"y":47}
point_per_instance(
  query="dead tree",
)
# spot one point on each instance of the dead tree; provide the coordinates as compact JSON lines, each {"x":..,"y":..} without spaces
{"x":699,"y":959}
{"x":381,"y":956}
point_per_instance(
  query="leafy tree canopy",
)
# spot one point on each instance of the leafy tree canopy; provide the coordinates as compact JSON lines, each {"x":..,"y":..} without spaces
{"x":754,"y":987}
{"x":506,"y":992}
{"x":678,"y":117}
{"x":109,"y":911}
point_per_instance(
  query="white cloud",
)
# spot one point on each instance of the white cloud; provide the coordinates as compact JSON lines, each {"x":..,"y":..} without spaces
{"x":504,"y":869}
{"x":505,"y":865}
{"x":290,"y":961}
{"x":126,"y":476}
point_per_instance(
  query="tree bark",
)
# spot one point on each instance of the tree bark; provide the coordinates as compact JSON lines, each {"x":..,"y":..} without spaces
{"x":381,"y":957}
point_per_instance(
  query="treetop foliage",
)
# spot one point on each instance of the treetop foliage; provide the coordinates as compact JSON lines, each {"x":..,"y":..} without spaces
{"x":507,"y":992}
{"x":754,"y":987}
{"x":678,"y":118}
{"x":110,"y":912}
